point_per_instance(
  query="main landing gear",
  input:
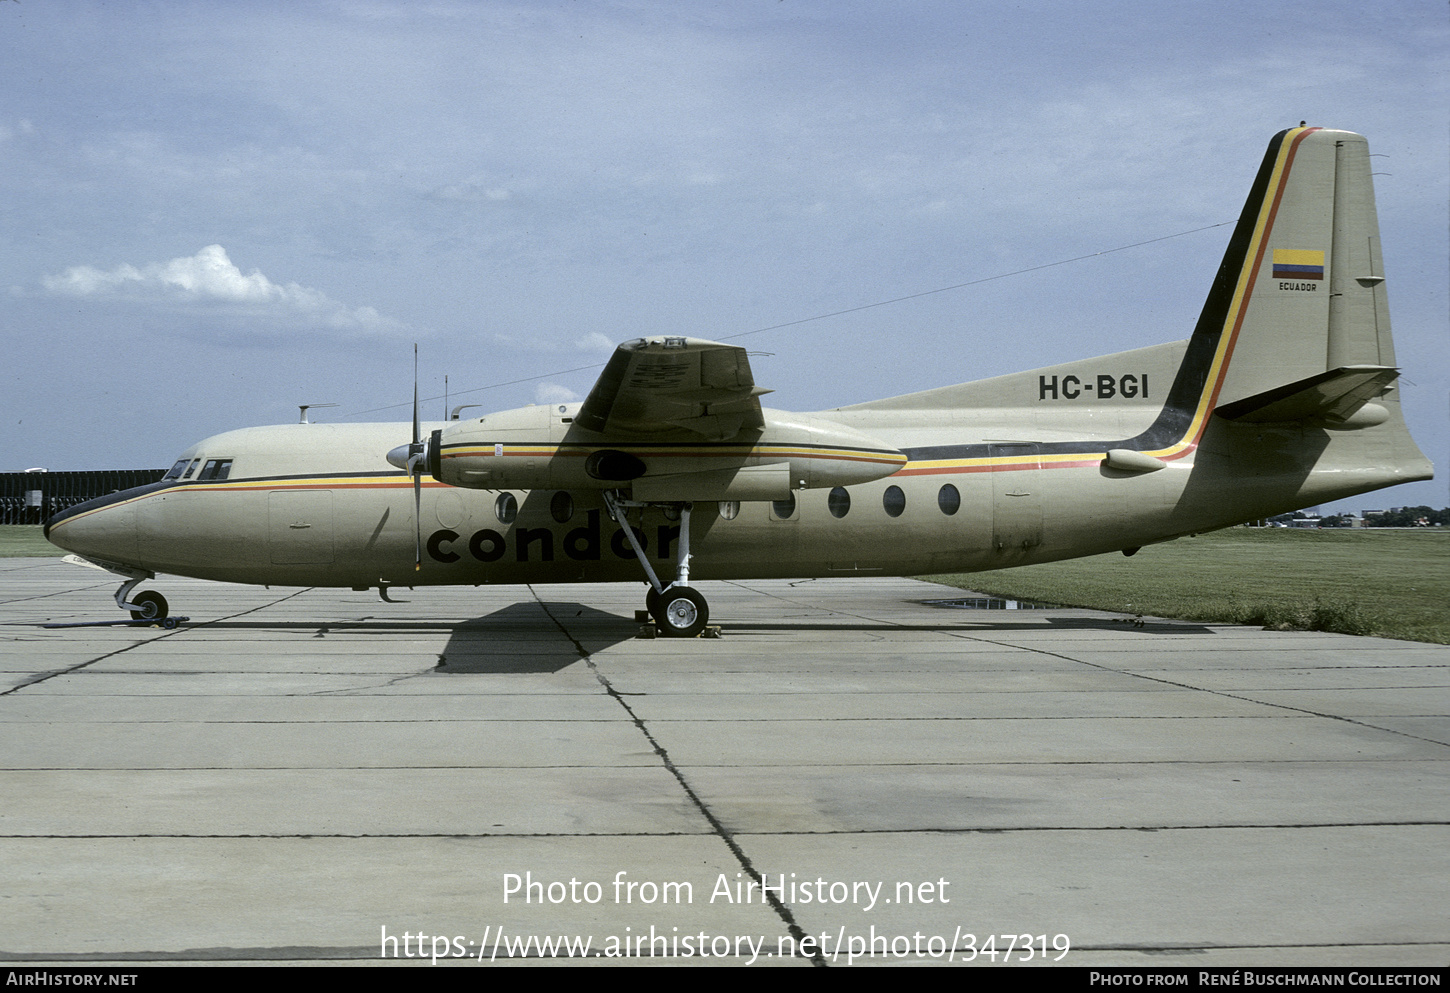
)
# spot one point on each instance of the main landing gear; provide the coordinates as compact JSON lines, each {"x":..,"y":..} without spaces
{"x":678,"y":610}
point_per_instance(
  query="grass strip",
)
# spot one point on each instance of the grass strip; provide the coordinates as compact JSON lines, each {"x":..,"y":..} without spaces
{"x":1382,"y":582}
{"x":25,"y":540}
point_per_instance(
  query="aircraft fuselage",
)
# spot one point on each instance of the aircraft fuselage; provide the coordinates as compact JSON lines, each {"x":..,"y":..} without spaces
{"x":1283,"y":396}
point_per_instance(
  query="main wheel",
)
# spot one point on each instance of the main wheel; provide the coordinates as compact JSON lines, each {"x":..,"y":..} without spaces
{"x":652,"y":602}
{"x":682,"y":613}
{"x":152,"y":606}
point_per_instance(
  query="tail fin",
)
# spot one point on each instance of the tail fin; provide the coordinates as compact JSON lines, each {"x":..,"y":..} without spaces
{"x":1297,"y":329}
{"x":1301,"y":290}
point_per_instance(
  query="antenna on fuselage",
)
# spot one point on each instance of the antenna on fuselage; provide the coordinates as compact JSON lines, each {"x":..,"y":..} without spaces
{"x":303,"y":408}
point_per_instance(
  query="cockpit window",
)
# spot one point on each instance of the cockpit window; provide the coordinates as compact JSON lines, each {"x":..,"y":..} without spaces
{"x":191,"y":469}
{"x":216,"y":469}
{"x":175,"y":471}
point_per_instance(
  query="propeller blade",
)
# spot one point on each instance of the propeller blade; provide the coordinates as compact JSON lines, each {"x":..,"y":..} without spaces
{"x":418,"y":521}
{"x":415,"y":457}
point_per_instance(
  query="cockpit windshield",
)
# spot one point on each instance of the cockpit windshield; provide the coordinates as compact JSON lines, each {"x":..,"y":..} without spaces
{"x":216,"y":469}
{"x":186,"y":468}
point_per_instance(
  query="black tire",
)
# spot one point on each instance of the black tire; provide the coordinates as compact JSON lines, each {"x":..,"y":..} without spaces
{"x":152,"y":606}
{"x":652,"y":602}
{"x":683,"y":613}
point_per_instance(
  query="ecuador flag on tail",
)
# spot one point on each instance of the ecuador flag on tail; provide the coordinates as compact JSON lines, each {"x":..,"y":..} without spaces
{"x":1295,"y":263}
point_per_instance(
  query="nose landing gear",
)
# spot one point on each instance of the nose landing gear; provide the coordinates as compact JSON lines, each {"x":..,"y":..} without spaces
{"x":147,"y":606}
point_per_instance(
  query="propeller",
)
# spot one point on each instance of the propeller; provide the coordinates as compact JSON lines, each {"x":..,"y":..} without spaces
{"x":414,"y":458}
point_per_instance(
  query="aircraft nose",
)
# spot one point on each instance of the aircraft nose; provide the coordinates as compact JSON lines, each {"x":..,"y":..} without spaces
{"x":103,"y":528}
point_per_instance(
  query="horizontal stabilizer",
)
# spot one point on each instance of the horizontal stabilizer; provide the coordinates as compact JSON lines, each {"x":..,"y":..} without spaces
{"x":1336,"y":394}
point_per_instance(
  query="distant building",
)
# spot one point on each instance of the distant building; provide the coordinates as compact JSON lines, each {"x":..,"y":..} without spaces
{"x":32,"y":496}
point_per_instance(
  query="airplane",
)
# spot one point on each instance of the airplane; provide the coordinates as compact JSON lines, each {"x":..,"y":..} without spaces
{"x":1283,"y":396}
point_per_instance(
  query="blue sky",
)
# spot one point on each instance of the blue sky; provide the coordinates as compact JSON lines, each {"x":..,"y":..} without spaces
{"x":215,"y":212}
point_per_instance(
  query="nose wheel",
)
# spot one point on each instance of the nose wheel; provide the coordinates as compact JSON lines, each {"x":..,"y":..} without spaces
{"x":149,"y":606}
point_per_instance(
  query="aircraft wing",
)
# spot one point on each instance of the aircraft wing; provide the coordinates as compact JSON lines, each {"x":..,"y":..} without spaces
{"x":656,"y":384}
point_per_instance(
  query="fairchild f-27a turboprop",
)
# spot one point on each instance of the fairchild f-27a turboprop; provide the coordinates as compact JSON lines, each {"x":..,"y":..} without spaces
{"x":1283,"y":396}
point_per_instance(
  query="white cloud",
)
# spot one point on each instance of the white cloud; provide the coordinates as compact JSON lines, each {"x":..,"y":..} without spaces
{"x":474,"y":188}
{"x":24,"y":126}
{"x":554,"y":393}
{"x":594,"y":342}
{"x":210,"y":275}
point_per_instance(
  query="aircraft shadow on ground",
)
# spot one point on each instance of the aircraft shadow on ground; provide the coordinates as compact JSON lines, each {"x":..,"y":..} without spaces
{"x":526,"y":637}
{"x":544,"y":637}
{"x":973,"y":624}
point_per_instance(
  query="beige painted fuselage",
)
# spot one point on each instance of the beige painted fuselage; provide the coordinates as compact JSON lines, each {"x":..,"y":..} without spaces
{"x":1282,"y":398}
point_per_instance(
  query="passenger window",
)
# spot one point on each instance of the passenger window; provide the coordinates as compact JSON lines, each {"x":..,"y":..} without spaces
{"x":894,"y":501}
{"x":784,"y":509}
{"x":729,"y":508}
{"x":949,"y":500}
{"x":561,"y":506}
{"x":838,"y":502}
{"x":506,"y":508}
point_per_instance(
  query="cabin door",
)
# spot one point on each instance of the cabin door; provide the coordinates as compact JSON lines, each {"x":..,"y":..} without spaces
{"x":300,"y":526}
{"x":1016,"y":498}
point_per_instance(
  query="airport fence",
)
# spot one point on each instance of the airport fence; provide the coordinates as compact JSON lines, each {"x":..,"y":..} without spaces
{"x":31,"y":497}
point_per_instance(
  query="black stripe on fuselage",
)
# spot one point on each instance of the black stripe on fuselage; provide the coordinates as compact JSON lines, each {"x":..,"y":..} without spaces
{"x":96,"y":503}
{"x":1189,"y":384}
{"x":121,"y":496}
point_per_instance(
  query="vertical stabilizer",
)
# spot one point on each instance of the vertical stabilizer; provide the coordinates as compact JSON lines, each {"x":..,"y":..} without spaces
{"x":1301,"y":291}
